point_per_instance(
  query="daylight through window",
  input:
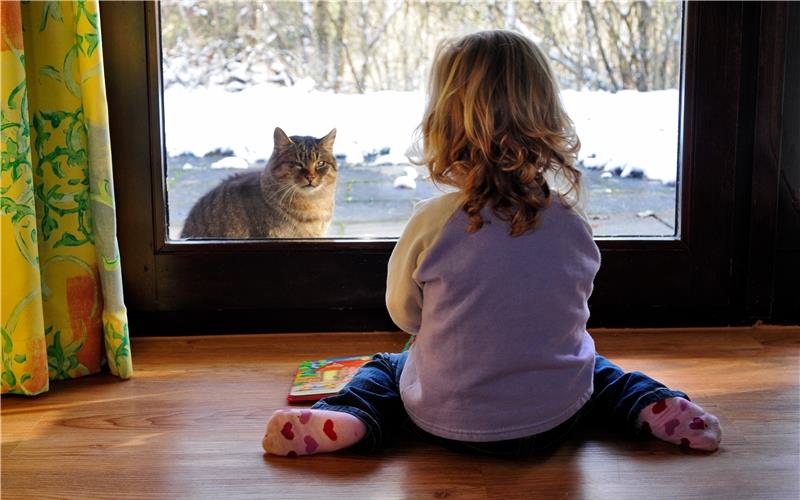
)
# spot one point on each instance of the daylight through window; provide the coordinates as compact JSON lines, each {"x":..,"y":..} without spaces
{"x":234,"y":71}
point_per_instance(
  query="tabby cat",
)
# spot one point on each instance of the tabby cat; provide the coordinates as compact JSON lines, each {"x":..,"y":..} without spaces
{"x":293,"y":197}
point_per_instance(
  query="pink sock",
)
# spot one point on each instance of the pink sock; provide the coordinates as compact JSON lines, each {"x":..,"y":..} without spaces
{"x":303,"y":432}
{"x":681,"y":422}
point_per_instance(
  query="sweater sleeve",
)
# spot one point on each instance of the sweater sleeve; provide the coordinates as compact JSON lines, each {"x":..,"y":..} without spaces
{"x":403,"y":291}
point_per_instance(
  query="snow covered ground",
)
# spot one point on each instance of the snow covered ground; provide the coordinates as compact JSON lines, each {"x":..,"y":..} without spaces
{"x":630,"y":134}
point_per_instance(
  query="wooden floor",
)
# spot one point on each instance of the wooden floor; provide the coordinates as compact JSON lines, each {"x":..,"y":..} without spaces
{"x":189,"y":425}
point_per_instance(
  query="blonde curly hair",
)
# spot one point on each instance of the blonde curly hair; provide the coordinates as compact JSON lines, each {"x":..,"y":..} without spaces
{"x":495,"y":128}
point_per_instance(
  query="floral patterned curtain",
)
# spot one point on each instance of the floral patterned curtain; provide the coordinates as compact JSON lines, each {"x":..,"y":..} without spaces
{"x":62,"y":311}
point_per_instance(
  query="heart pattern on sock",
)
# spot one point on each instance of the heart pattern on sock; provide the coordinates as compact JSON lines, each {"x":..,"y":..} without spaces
{"x":327,"y":428}
{"x":682,"y":422}
{"x":659,"y":407}
{"x":298,"y":432}
{"x":311,"y":444}
{"x":697,"y":423}
{"x":670,"y":426}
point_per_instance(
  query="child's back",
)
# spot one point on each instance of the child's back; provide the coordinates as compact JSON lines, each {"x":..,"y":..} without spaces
{"x":502,"y":351}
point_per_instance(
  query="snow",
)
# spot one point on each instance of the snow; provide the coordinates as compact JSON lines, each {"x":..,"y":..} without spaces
{"x":407,"y":180}
{"x":231,"y":162}
{"x":627,"y":133}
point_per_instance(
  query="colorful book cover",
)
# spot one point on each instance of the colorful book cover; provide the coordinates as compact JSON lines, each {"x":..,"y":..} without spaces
{"x":316,"y":379}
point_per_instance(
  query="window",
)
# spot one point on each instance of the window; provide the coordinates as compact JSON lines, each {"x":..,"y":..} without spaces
{"x":699,"y":276}
{"x":232,"y":71}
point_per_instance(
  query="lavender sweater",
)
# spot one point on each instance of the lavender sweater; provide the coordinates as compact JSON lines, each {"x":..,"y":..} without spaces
{"x":502,"y":350}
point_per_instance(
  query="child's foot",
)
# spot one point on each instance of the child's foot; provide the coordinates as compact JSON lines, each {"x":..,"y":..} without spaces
{"x":681,"y":422}
{"x":303,"y":432}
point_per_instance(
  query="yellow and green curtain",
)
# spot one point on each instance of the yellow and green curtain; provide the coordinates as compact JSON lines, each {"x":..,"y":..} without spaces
{"x":63,"y":314}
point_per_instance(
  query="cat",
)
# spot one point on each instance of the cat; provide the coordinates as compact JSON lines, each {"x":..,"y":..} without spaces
{"x":292,"y":197}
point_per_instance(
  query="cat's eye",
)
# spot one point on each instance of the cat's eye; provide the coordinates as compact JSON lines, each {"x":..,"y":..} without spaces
{"x":321,"y":165}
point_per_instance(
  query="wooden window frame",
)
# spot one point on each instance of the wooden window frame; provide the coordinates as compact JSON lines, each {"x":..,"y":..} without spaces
{"x":730,"y":127}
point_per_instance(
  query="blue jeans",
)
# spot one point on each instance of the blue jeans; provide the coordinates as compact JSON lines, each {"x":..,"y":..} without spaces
{"x":374,"y":397}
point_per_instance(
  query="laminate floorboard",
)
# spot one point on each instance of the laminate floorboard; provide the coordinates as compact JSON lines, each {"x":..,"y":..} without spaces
{"x":189,"y":425}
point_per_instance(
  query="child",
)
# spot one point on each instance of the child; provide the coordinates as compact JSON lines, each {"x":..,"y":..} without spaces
{"x":493,"y":280}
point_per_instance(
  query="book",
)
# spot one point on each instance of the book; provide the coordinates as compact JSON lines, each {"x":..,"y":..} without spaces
{"x":317,"y":379}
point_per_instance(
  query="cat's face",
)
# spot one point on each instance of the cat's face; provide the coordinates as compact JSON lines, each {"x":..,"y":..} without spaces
{"x":304,"y":165}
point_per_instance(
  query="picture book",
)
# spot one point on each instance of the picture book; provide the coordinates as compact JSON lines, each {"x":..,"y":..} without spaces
{"x":316,"y":379}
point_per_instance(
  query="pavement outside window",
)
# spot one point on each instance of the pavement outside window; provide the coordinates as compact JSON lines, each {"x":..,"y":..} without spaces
{"x":368,"y":205}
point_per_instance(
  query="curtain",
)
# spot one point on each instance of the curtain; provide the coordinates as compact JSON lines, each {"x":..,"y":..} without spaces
{"x":63,"y":314}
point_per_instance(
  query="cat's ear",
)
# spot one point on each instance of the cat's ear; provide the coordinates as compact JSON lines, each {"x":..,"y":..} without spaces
{"x":280,"y":138}
{"x":327,"y":141}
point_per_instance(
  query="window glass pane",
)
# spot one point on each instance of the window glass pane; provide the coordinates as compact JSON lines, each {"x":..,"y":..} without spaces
{"x":234,"y":71}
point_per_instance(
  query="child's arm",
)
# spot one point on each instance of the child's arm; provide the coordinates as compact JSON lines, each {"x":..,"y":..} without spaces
{"x":403,"y":293}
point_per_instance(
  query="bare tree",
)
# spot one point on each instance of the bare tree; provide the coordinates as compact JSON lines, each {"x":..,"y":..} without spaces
{"x":348,"y":46}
